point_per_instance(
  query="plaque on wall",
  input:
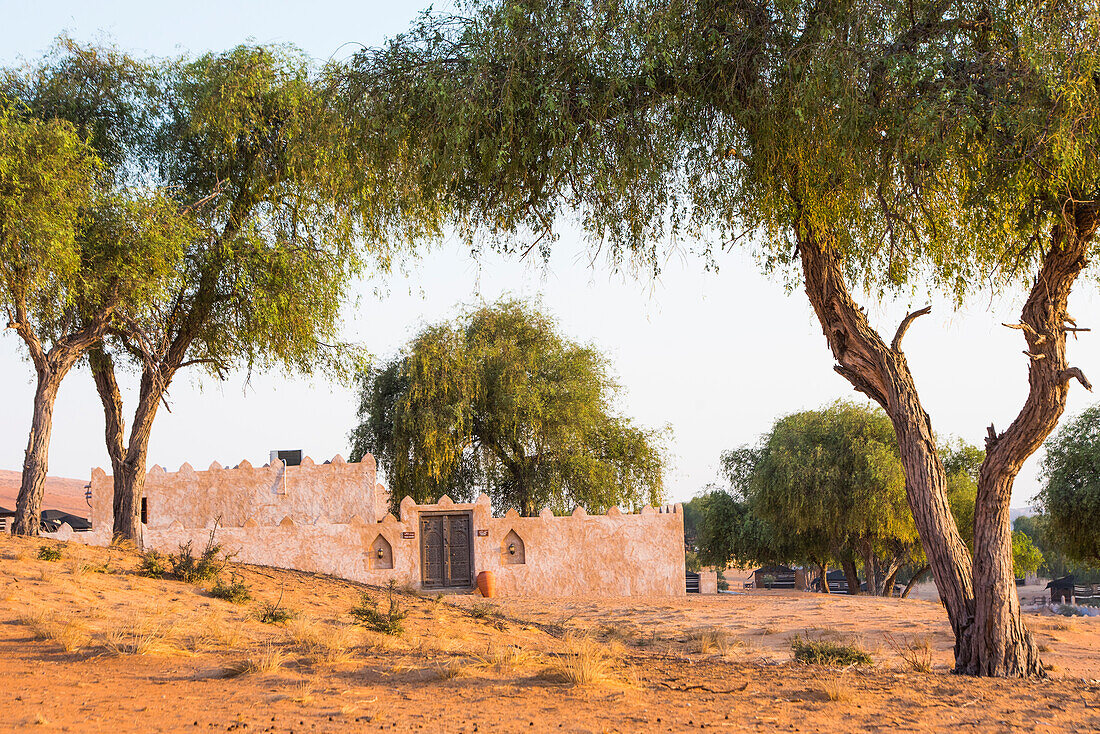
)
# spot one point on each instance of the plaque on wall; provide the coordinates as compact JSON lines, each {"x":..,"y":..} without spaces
{"x":483,"y":533}
{"x":407,"y":534}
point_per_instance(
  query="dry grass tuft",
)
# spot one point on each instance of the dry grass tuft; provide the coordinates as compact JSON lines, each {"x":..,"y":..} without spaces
{"x":712,"y":641}
{"x":302,"y":693}
{"x":139,"y":638}
{"x":63,"y":630}
{"x":507,"y":658}
{"x":582,"y":662}
{"x":915,"y":651}
{"x":454,"y":668}
{"x":835,"y":689}
{"x":322,"y":643}
{"x":259,"y":662}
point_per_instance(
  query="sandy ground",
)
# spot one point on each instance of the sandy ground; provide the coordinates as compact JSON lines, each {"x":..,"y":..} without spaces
{"x":86,"y":645}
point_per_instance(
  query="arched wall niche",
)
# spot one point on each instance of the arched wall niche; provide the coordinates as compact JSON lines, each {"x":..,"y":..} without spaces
{"x":381,"y":553}
{"x":512,"y":550}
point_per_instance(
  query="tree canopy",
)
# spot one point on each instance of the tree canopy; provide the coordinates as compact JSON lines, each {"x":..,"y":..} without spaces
{"x":248,"y":152}
{"x":874,"y":146}
{"x":824,"y":488}
{"x":78,"y":249}
{"x":1070,"y":495}
{"x":499,"y":402}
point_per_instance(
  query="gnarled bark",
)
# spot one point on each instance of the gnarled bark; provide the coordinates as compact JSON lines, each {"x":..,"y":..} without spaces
{"x":51,"y":367}
{"x":880,"y":371}
{"x":128,"y":460}
{"x":1001,"y":645}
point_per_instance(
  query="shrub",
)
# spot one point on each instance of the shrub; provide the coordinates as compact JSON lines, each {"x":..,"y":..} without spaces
{"x":49,"y":553}
{"x":821,"y":652}
{"x":236,"y":591}
{"x":269,"y":613}
{"x":154,"y":565}
{"x":366,"y":613}
{"x":186,"y":567}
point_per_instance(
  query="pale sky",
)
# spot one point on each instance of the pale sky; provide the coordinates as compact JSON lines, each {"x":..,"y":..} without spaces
{"x":718,"y":356}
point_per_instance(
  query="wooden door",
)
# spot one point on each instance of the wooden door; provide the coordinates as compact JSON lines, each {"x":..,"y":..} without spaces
{"x":445,"y":551}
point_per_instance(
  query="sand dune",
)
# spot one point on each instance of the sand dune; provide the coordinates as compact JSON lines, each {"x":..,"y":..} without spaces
{"x":61,"y":493}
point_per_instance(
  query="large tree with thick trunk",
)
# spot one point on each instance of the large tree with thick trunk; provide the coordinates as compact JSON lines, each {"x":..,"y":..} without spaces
{"x":500,"y":402}
{"x":248,"y":146}
{"x":865,"y":146}
{"x":77,"y":249}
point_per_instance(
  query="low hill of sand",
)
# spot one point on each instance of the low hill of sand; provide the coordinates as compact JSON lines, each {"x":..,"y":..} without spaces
{"x":61,"y":493}
{"x":89,"y":645}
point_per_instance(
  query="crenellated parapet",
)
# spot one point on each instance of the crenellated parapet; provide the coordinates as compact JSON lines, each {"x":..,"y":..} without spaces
{"x":333,"y":491}
{"x":333,"y":518}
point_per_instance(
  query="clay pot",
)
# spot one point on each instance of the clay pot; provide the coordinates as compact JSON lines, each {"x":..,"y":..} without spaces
{"x":487,"y":584}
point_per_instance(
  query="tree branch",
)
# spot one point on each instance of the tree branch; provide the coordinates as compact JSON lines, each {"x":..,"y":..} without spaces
{"x":1068,"y":374}
{"x":904,"y":326}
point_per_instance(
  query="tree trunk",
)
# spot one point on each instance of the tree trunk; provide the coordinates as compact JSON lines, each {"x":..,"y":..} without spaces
{"x":881,"y":372}
{"x":891,"y":579}
{"x":824,"y":567}
{"x":849,"y":566}
{"x":129,"y":462}
{"x":920,"y":574}
{"x":28,"y":506}
{"x":1001,"y":645}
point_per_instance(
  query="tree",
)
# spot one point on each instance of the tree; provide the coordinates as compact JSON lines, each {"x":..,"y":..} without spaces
{"x":1026,"y":558}
{"x":250,"y":151}
{"x":872,"y":146}
{"x":500,"y":402}
{"x":76,"y":250}
{"x":1070,"y":496}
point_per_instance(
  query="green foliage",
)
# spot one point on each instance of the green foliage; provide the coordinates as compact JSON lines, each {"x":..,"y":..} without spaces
{"x":47,"y":182}
{"x":184,"y":566}
{"x":367,"y":613}
{"x":823,"y":652}
{"x":49,"y":553}
{"x":236,"y":591}
{"x":915,"y":141}
{"x":1070,"y":496}
{"x":154,"y":565}
{"x":1026,"y":558}
{"x":274,"y":613}
{"x":499,"y":402}
{"x":824,"y":486}
{"x":77,"y":240}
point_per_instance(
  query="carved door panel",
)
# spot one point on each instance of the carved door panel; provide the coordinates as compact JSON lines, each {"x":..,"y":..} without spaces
{"x":458,"y":551}
{"x":445,"y":546}
{"x":431,"y":550}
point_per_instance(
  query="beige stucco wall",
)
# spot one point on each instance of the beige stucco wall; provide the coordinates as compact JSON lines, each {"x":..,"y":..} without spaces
{"x":331,"y":517}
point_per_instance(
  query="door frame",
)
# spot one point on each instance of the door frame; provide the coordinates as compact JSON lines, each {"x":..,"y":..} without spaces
{"x":420,"y":532}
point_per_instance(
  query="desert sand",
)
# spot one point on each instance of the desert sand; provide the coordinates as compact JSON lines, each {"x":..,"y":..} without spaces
{"x":61,"y":493}
{"x":87,"y":645}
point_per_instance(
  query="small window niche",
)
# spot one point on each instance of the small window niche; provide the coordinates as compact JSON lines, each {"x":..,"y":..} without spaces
{"x":381,"y":554}
{"x":511,"y":550}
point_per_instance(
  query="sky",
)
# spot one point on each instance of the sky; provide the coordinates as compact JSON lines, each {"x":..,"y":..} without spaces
{"x":717,"y":356}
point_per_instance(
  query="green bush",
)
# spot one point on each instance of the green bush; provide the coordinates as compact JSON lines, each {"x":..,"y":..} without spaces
{"x":366,"y":613}
{"x":186,"y":567}
{"x":820,"y":652}
{"x":49,"y":553}
{"x":236,"y":591}
{"x":154,"y":565}
{"x":269,"y":613}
